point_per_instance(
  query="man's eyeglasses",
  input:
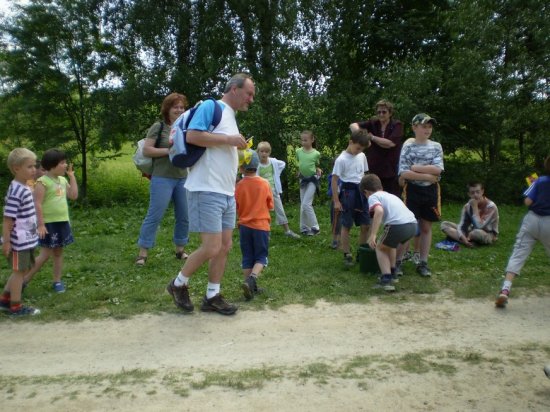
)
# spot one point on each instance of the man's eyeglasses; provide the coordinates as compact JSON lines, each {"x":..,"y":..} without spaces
{"x":381,"y":112}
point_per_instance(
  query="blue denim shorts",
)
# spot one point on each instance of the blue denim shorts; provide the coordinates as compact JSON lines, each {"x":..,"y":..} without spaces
{"x":355,"y":209}
{"x":254,"y":246}
{"x":211,"y":212}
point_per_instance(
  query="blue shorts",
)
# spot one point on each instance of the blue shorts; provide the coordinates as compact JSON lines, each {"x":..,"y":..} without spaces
{"x":254,"y":246}
{"x":355,"y":208}
{"x":211,"y":212}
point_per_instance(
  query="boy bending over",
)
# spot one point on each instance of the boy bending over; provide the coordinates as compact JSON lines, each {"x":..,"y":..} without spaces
{"x":399,"y":226}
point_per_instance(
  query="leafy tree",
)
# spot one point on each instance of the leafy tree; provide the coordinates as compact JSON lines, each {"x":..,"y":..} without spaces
{"x":54,"y":64}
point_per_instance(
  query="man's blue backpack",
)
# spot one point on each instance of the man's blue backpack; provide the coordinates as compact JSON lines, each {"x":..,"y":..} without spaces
{"x":183,"y":154}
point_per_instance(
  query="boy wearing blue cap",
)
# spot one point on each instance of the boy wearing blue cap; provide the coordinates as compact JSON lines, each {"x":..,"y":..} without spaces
{"x":254,"y":202}
{"x":421,"y":165}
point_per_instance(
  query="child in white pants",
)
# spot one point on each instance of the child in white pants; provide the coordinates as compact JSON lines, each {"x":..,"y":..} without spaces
{"x":534,"y":227}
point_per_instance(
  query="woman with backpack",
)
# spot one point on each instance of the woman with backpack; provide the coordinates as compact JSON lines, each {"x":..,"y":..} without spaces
{"x":167,"y":182}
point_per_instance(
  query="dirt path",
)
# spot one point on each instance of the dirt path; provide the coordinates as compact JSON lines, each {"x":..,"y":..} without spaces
{"x":438,"y":355}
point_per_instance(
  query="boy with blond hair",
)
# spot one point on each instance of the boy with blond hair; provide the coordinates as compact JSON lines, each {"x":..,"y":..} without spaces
{"x":270,"y":169}
{"x":19,"y":232}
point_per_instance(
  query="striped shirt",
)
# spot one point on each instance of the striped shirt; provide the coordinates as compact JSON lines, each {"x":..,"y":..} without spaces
{"x":19,"y":206}
{"x":429,"y":153}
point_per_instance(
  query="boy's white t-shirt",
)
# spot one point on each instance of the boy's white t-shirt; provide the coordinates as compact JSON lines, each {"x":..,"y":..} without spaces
{"x":395,"y":211}
{"x":216,"y":170}
{"x":350,"y":168}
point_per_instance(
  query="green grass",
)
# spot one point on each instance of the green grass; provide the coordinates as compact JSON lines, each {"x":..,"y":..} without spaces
{"x":103,"y":282}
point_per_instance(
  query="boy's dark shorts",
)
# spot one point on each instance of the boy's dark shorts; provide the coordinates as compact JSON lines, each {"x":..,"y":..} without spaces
{"x":355,"y":208}
{"x":254,"y":246}
{"x":423,"y":201}
{"x":393,"y":235}
{"x":21,"y":260}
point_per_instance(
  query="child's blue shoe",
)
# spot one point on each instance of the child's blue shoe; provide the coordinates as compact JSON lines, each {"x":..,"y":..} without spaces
{"x":58,"y":287}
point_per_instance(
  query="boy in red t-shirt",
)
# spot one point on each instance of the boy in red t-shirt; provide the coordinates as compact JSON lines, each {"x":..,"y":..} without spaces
{"x":254,"y":202}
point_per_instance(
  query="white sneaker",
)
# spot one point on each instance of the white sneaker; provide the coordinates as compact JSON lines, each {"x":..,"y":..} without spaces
{"x":292,"y":235}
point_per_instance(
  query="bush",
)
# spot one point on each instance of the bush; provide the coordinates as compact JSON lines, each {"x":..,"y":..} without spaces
{"x":504,"y":182}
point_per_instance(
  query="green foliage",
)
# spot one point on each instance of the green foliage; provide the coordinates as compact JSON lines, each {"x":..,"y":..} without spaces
{"x":87,"y":75}
{"x":504,"y":181}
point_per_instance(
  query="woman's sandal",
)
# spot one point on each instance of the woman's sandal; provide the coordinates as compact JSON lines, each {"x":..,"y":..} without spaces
{"x":181,"y":255}
{"x":140,"y":260}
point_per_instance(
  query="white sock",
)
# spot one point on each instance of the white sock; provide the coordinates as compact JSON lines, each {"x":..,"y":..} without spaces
{"x":181,"y":280}
{"x":212,"y":290}
{"x":507,"y":285}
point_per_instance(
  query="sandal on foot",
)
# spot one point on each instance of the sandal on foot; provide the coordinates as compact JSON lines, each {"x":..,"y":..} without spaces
{"x":140,"y":260}
{"x":181,"y":255}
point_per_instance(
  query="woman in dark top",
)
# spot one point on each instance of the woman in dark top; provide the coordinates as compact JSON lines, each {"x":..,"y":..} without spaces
{"x":383,"y":153}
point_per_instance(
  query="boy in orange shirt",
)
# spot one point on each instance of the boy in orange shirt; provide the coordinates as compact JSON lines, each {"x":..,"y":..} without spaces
{"x":254,"y":201}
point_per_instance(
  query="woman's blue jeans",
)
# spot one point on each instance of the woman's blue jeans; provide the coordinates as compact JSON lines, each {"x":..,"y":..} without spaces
{"x":162,"y":190}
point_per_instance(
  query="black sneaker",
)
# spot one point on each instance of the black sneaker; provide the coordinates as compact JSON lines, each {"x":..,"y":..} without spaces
{"x":423,"y":269}
{"x":181,"y":296}
{"x":348,"y":259}
{"x":25,"y":311}
{"x":218,"y":304}
{"x":385,"y":282}
{"x":249,"y":287}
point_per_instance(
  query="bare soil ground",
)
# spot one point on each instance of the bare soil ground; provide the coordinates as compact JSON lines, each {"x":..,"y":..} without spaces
{"x":440,"y":354}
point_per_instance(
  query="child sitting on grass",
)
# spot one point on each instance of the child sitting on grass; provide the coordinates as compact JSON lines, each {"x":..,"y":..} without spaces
{"x":254,"y":202}
{"x":399,"y":226}
{"x":478,"y":220}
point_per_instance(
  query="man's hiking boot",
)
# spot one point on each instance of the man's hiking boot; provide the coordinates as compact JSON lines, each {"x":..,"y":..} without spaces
{"x":218,"y":304}
{"x":181,"y":296}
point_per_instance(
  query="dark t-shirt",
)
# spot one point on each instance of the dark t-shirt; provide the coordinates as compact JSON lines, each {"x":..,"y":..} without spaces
{"x":539,"y":193}
{"x":384,"y":162}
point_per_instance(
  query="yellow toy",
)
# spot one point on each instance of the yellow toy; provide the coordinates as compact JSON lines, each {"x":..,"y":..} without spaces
{"x":531,"y":179}
{"x":246,"y":154}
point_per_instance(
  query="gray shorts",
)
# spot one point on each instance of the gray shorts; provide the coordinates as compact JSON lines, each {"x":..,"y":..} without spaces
{"x":21,"y":260}
{"x":211,"y":212}
{"x":393,"y":235}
